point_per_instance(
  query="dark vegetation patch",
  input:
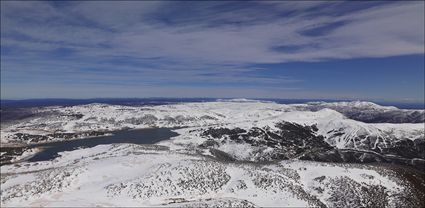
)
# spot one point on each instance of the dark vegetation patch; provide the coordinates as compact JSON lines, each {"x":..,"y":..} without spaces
{"x":291,"y":140}
{"x":295,"y":141}
{"x":8,"y":153}
{"x":35,"y":138}
{"x":415,"y":194}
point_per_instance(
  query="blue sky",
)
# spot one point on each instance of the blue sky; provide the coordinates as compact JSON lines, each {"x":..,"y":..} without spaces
{"x":368,"y":50}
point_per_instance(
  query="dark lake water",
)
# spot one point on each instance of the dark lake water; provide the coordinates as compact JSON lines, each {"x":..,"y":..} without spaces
{"x":138,"y":136}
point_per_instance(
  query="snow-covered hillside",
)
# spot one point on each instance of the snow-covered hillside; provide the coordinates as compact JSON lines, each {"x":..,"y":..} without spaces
{"x":228,"y":153}
{"x":337,"y":129}
{"x":140,"y":175}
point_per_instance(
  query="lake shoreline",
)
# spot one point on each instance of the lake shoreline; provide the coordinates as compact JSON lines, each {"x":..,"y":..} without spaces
{"x":12,"y":150}
{"x":109,"y":133}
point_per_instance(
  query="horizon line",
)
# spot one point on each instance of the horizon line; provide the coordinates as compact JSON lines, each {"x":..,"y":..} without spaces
{"x":306,"y":99}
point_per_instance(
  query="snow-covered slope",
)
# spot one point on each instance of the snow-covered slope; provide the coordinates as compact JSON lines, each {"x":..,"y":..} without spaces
{"x":139,"y":175}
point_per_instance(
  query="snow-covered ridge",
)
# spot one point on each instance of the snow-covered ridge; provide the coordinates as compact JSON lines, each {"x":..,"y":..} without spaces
{"x":243,"y":100}
{"x":354,"y":104}
{"x":336,"y":127}
{"x":369,"y":112}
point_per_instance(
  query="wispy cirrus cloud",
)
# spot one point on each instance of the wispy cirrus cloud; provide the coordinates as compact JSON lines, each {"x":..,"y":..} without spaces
{"x":194,"y":43}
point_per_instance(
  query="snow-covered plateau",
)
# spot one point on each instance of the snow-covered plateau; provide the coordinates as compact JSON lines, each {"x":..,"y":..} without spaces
{"x":229,"y":153}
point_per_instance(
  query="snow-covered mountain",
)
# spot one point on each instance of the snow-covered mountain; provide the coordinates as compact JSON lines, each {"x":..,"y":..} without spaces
{"x":227,"y":153}
{"x":369,"y":112}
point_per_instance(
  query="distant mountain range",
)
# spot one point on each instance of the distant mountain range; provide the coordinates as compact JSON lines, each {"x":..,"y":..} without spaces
{"x":7,"y":103}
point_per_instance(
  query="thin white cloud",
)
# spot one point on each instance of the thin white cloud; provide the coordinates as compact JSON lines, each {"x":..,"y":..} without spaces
{"x":184,"y":42}
{"x":389,"y":30}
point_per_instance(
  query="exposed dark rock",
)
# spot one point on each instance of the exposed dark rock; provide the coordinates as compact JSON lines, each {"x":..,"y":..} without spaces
{"x":320,"y":178}
{"x":222,"y":155}
{"x":209,"y":143}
